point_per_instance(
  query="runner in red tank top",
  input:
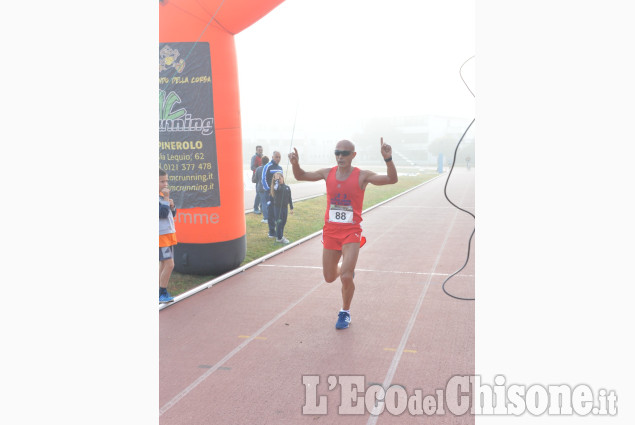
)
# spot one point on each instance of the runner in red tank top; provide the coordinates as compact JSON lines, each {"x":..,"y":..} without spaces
{"x":342,"y":233}
{"x":343,"y":216}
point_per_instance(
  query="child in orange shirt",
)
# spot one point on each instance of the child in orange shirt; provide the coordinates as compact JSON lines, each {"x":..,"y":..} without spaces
{"x":167,"y":237}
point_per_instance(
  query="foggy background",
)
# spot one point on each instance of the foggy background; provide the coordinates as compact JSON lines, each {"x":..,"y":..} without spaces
{"x":313,"y":72}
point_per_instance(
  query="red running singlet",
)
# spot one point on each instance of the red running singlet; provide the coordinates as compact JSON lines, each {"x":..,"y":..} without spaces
{"x":344,"y":200}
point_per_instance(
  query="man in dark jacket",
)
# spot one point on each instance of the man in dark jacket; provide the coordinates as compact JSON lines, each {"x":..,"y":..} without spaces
{"x":256,"y":161}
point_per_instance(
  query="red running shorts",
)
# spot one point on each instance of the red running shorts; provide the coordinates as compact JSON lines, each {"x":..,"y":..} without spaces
{"x":334,"y":238}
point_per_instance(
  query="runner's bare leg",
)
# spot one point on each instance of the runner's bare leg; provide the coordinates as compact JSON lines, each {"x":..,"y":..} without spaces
{"x":330,"y":268}
{"x":350,"y":252}
{"x":165,"y":269}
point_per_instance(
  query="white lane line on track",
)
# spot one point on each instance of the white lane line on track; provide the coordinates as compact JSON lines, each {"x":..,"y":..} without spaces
{"x":424,"y":207}
{"x":372,"y":420}
{"x":363,"y":270}
{"x":231,"y":354}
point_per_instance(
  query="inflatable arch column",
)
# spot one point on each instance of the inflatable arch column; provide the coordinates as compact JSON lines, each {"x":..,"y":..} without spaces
{"x":200,"y":140}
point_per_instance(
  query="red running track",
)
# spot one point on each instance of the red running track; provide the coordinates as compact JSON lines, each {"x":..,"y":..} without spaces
{"x":236,"y":353}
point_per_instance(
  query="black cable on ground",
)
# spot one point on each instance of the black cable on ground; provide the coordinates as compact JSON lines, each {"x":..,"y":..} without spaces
{"x":469,"y":244}
{"x":461,"y":209}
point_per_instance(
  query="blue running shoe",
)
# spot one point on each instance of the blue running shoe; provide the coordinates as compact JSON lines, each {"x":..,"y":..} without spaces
{"x":165,"y":297}
{"x":343,"y":320}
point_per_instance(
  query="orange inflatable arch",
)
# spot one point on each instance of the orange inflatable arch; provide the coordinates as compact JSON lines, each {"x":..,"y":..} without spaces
{"x":200,"y":140}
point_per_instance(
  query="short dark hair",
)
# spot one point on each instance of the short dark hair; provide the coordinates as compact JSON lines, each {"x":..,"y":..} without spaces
{"x":162,"y":172}
{"x":265,"y":160}
{"x":258,"y":146}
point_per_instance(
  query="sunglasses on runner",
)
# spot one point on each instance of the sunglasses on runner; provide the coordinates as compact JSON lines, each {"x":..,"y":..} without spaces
{"x":343,"y":153}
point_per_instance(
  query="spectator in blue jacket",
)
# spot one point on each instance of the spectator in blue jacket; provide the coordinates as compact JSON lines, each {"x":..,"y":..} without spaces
{"x":267,"y":175}
{"x":262,"y":195}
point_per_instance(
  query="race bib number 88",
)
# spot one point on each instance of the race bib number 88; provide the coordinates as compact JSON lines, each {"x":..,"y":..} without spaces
{"x":340,"y":214}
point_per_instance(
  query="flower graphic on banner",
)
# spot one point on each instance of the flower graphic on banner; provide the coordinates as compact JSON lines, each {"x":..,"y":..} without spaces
{"x":168,"y":59}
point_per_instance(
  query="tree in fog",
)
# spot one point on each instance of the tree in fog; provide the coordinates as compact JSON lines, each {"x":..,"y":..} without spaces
{"x":367,"y":140}
{"x":446,"y":145}
{"x":443,"y":145}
